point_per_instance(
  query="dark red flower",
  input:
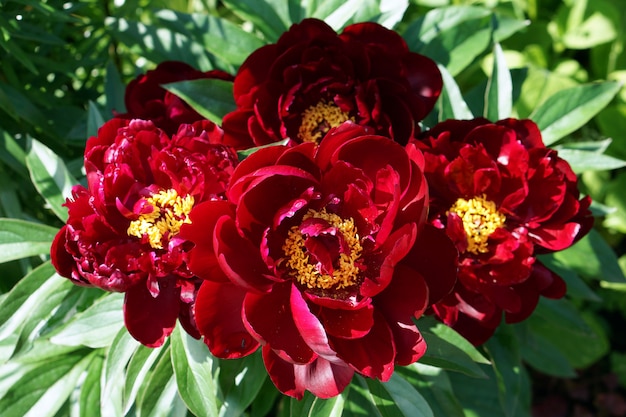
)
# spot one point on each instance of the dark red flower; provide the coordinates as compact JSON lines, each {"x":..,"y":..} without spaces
{"x":322,"y":256}
{"x":122,"y":231}
{"x":313,"y":79}
{"x":503,"y":198}
{"x":146,"y":99}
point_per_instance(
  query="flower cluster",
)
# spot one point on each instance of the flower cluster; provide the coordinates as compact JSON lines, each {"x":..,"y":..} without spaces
{"x":323,"y":250}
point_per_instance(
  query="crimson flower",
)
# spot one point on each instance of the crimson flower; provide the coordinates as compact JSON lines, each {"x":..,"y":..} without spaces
{"x":313,"y":79}
{"x":320,"y":255}
{"x":146,"y":99}
{"x":503,"y":198}
{"x":122,"y":231}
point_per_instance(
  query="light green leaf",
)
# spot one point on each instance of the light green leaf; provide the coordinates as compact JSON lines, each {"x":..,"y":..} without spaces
{"x":42,"y":391}
{"x":451,"y":103}
{"x":581,"y":160}
{"x":332,"y":407}
{"x":29,"y":293}
{"x":261,"y":14}
{"x":499,"y":92}
{"x":95,"y":327}
{"x":193,"y":367}
{"x":212,"y":98}
{"x":568,"y":110}
{"x":114,"y":373}
{"x":50,"y":176}
{"x":21,"y":239}
{"x":136,"y":373}
{"x":244,"y":153}
{"x":160,"y":394}
{"x":90,"y":389}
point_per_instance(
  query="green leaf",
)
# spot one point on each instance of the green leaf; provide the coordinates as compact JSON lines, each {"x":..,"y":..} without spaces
{"x":12,"y":154}
{"x":211,"y":98}
{"x":243,"y":154}
{"x":227,"y":41}
{"x":592,"y":258}
{"x":430,"y":325}
{"x":499,"y":92}
{"x":94,"y":120}
{"x":576,"y":287}
{"x":444,"y":354}
{"x":95,"y":327}
{"x":434,"y":385}
{"x":42,"y":391}
{"x":137,"y":371}
{"x":568,"y":110}
{"x":581,"y":161}
{"x":451,"y":103}
{"x":240,"y":382}
{"x":407,"y":399}
{"x":21,"y":239}
{"x":314,"y":407}
{"x":479,"y":397}
{"x":90,"y":389}
{"x":114,"y":373}
{"x":513,"y":388}
{"x":29,"y":293}
{"x":160,"y":393}
{"x":193,"y":367}
{"x":261,"y":14}
{"x":50,"y":176}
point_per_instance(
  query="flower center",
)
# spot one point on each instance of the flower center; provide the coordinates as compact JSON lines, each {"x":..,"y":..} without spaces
{"x":324,"y":251}
{"x":319,"y":119}
{"x":169,"y":212}
{"x":480,"y":219}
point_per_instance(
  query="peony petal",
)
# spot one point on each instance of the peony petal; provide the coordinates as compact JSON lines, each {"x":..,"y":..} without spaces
{"x":372,"y":355}
{"x":270,"y":319}
{"x":321,"y":377}
{"x":218,"y":311}
{"x":151,"y":319}
{"x":347,"y":324}
{"x":239,"y":259}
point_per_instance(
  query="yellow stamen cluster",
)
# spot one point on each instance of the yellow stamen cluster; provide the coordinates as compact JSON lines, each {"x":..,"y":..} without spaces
{"x":480,"y":219}
{"x":170,"y":212}
{"x":346,"y":272}
{"x":319,"y":119}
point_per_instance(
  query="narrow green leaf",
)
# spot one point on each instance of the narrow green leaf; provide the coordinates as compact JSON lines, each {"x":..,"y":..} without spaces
{"x":12,"y":154}
{"x":512,"y":389}
{"x":32,"y":290}
{"x":261,"y":14}
{"x":212,"y":98}
{"x":90,"y":389}
{"x":568,"y":110}
{"x":94,"y":120}
{"x":332,"y":407}
{"x":114,"y":373}
{"x":95,"y":327}
{"x":42,"y":391}
{"x":443,"y":354}
{"x":243,"y":154}
{"x":21,"y":239}
{"x":50,"y":176}
{"x":444,"y":332}
{"x":137,"y":371}
{"x":582,"y":161}
{"x":452,"y":105}
{"x":159,"y":395}
{"x":340,"y":14}
{"x":193,"y":367}
{"x":499,"y":92}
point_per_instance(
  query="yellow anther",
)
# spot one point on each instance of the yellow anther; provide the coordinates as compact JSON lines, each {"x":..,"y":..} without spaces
{"x":169,"y":213}
{"x":319,"y":119}
{"x":480,"y":219}
{"x":345,"y":274}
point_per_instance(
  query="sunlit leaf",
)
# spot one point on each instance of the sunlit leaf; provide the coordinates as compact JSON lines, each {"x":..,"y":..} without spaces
{"x":212,"y":98}
{"x":568,"y":110}
{"x":50,"y":176}
{"x":451,"y":102}
{"x":20,"y":239}
{"x":499,"y":93}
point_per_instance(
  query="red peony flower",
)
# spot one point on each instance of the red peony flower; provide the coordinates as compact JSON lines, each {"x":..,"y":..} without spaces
{"x":146,"y":99}
{"x":321,"y":256}
{"x":122,"y":231}
{"x":313,"y":79}
{"x":503,"y":198}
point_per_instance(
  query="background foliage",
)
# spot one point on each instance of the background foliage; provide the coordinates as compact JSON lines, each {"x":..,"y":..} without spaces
{"x":64,"y":350}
